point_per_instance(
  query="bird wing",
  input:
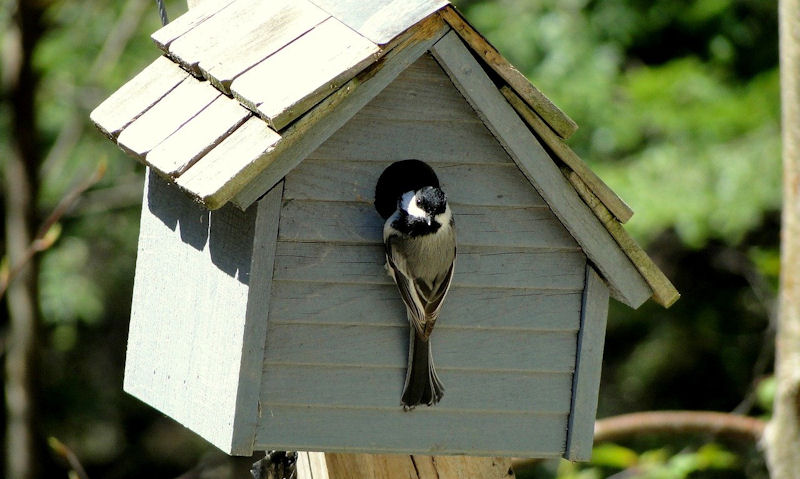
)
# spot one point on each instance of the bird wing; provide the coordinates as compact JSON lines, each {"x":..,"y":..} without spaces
{"x":408,"y":291}
{"x":422,"y":301}
{"x":433,"y":298}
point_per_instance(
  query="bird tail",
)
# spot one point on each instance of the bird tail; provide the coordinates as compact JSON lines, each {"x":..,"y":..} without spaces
{"x":422,"y":384}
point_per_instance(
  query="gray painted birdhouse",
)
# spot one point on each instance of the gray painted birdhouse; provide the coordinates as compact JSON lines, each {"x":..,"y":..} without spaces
{"x":262,"y":315}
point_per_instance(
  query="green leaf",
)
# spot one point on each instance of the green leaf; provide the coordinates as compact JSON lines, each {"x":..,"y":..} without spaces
{"x":613,"y":455}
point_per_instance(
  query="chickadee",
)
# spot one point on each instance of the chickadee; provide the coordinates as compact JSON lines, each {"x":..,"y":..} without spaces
{"x":420,"y":240}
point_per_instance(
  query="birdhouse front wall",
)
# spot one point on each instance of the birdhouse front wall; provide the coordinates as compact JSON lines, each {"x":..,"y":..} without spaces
{"x":506,"y":343}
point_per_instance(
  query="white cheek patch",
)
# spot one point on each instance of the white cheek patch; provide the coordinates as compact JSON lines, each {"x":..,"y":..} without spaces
{"x":409,"y":204}
{"x":444,"y":218}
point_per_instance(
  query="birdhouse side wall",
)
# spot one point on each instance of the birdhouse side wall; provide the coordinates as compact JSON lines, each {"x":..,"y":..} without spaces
{"x":505,"y":344}
{"x":194,"y":352}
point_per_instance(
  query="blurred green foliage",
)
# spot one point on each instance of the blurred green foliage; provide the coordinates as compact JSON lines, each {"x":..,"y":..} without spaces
{"x":677,"y":101}
{"x":678,"y":106}
{"x":608,"y":459}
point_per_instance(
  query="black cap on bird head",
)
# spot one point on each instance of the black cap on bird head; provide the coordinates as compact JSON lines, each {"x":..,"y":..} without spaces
{"x":432,"y":200}
{"x":398,"y":178}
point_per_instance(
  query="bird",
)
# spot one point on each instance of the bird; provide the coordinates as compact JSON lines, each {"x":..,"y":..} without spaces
{"x":420,"y":244}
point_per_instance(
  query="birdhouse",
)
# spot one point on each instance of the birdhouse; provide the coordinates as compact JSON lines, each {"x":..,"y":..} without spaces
{"x":263,"y":316}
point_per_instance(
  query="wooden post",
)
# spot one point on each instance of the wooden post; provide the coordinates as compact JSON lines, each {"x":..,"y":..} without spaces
{"x":316,"y":465}
{"x":782,"y":436}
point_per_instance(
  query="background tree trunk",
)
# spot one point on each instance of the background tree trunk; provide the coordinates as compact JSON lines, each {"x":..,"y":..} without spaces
{"x":782,"y":437}
{"x":19,"y":185}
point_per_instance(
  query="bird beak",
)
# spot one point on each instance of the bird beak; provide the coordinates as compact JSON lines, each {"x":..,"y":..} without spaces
{"x":429,"y":220}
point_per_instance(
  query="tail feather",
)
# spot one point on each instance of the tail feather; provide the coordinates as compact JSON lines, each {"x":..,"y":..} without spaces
{"x":422,"y":383}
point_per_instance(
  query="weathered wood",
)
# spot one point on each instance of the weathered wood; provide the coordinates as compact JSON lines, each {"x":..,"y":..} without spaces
{"x":387,"y":140}
{"x":586,"y":382}
{"x":254,"y":333}
{"x":498,"y":391}
{"x":381,"y":347}
{"x":311,"y":465}
{"x":557,"y":119}
{"x":477,"y":266}
{"x":242,"y":148}
{"x":396,"y":466}
{"x":380,"y":20}
{"x":539,"y":168}
{"x":165,"y":117}
{"x":283,"y":28}
{"x":422,"y":92}
{"x":196,"y":15}
{"x":197,"y":136}
{"x":243,"y":34}
{"x":187,"y":337}
{"x":319,"y":221}
{"x":489,"y":185}
{"x":664,"y":293}
{"x":421,"y":431}
{"x":380,"y":305}
{"x":614,"y":203}
{"x":136,"y":96}
{"x":307,"y":133}
{"x":281,"y":88}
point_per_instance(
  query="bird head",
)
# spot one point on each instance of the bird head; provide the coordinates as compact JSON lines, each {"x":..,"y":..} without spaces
{"x":425,"y":204}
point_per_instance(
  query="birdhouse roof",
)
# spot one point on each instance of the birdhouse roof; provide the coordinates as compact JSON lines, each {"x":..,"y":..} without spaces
{"x":245,"y":90}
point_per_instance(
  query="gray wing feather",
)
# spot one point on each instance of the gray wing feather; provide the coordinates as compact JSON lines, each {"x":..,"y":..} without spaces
{"x":423,"y":303}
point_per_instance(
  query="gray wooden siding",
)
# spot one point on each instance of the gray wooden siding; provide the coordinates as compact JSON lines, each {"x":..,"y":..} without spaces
{"x":505,"y":345}
{"x":191,"y":336}
{"x":587,"y":369}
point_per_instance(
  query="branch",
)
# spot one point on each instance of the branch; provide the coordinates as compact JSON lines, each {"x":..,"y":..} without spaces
{"x":728,"y":425}
{"x":69,"y":456}
{"x":48,"y":232}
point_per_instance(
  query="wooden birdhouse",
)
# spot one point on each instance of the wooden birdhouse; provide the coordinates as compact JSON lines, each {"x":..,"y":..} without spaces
{"x":263,"y":317}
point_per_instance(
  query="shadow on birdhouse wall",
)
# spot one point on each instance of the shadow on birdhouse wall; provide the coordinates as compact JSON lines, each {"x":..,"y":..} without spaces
{"x":199,"y":227}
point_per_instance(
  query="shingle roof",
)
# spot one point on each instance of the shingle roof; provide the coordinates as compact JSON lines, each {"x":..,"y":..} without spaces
{"x":246,"y":89}
{"x":279,"y":60}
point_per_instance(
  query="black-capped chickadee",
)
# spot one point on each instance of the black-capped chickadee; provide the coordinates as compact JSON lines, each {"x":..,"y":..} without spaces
{"x":420,"y":240}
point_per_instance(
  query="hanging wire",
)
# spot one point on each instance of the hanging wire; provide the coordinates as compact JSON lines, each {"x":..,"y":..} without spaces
{"x":162,"y":12}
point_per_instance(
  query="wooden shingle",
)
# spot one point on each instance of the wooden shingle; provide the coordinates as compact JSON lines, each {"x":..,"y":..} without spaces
{"x":281,"y":88}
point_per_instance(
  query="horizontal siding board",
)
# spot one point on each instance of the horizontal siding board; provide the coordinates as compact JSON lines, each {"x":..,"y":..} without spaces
{"x":475,"y":266}
{"x":423,"y":430}
{"x":422,"y":92}
{"x":380,"y":304}
{"x":453,"y":348}
{"x":476,"y":225}
{"x":382,"y":387}
{"x":499,"y":185}
{"x":387,"y":140}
